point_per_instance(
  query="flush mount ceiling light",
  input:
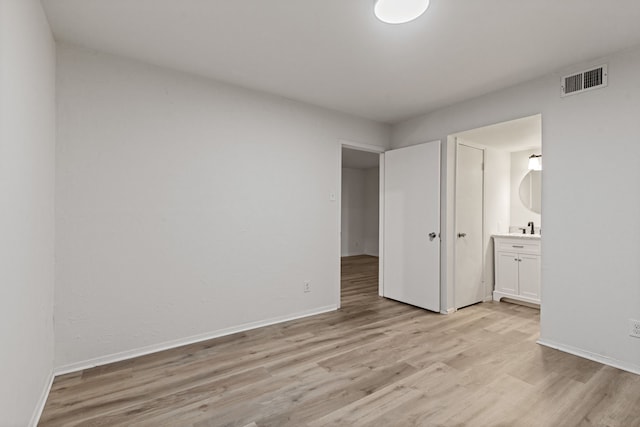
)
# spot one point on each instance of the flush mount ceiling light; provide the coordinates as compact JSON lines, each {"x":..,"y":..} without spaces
{"x":399,"y":11}
{"x":535,"y":162}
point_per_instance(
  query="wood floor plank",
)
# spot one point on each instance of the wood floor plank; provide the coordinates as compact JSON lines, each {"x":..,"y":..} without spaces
{"x":374,"y":362}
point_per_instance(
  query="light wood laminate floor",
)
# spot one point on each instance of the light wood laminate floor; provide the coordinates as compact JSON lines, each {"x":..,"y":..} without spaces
{"x":375,"y":362}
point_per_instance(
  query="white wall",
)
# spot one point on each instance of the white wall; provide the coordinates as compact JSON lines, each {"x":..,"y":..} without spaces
{"x":27,"y":162}
{"x":360,"y":211}
{"x":188,"y":208}
{"x":497,"y":199}
{"x":520,"y":215}
{"x":371,"y":211}
{"x":353,"y":212}
{"x":590,"y":276}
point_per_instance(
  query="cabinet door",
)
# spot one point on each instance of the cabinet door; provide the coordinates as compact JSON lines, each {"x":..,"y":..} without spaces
{"x":507,"y":272}
{"x":529,"y":276}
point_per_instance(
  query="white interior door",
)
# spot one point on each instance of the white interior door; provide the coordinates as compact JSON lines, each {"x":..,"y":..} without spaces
{"x":412,"y":225}
{"x":469,"y":284}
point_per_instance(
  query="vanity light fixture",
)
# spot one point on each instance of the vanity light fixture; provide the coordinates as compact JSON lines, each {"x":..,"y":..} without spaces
{"x":399,"y":11}
{"x":535,"y":162}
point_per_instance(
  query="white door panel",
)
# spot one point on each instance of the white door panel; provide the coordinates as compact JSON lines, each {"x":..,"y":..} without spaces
{"x":469,"y":286}
{"x":411,"y":212}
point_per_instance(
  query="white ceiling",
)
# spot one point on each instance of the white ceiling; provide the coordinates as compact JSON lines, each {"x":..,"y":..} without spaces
{"x":514,"y":135}
{"x":336,"y":54}
{"x":356,"y":159}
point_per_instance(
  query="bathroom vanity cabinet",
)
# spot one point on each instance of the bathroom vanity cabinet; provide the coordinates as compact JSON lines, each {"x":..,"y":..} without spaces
{"x":517,"y":267}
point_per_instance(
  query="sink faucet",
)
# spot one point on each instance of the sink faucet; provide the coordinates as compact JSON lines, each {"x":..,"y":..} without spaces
{"x":530,"y":224}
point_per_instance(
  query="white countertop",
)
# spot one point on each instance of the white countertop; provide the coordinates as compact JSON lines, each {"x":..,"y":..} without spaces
{"x":518,"y":236}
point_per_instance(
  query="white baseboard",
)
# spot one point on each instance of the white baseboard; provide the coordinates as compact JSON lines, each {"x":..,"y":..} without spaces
{"x":167,"y":345}
{"x":37,"y":413}
{"x":625,"y":366}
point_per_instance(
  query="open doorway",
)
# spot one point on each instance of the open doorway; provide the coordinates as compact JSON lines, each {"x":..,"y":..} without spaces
{"x":360,"y":238}
{"x":498,"y":216}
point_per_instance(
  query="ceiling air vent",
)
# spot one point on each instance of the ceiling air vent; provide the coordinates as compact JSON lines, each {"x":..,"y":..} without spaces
{"x":584,"y":81}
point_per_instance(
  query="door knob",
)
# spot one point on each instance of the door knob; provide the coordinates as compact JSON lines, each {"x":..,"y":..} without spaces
{"x":432,"y":236}
{"x":462,"y":234}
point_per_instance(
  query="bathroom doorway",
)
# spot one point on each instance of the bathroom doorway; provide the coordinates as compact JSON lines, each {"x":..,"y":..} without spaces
{"x":500,"y":197}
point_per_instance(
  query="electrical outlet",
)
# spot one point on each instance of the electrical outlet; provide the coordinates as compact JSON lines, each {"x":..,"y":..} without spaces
{"x":307,"y":286}
{"x":634,"y":328}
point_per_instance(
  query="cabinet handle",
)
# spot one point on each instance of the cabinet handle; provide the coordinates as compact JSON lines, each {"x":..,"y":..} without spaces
{"x":516,"y":246}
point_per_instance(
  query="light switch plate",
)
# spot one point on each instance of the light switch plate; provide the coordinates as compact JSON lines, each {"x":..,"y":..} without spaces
{"x":634,"y":328}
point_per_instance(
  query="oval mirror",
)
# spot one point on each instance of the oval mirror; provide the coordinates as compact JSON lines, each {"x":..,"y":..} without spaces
{"x":530,"y":191}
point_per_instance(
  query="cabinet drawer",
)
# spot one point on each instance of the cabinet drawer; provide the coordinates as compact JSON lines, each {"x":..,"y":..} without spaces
{"x":518,"y":245}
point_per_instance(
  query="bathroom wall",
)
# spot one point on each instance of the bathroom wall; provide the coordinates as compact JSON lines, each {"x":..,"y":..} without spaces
{"x":497,"y":199}
{"x":520,"y":215}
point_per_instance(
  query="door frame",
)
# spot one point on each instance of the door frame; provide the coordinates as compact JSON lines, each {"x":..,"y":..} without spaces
{"x":359,"y":146}
{"x":458,"y":143}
